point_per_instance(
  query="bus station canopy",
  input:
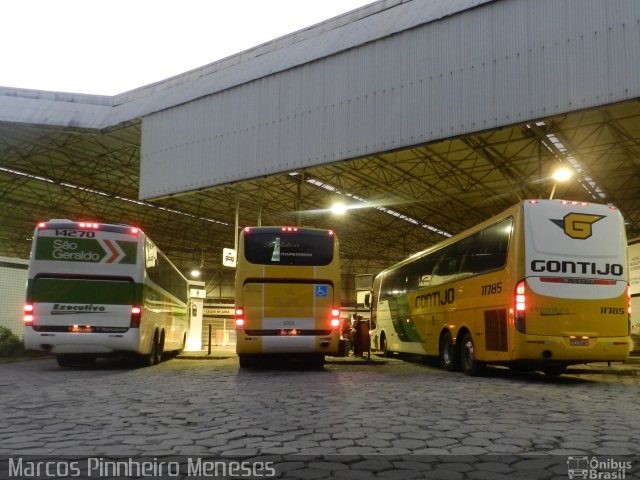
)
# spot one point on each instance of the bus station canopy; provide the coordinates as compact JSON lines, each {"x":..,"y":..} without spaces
{"x":80,"y":156}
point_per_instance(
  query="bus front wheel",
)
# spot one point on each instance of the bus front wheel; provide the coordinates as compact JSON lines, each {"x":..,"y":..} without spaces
{"x":468,"y":361}
{"x":448,"y":358}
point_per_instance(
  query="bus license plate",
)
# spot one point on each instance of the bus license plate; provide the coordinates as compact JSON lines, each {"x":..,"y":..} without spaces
{"x":579,"y":342}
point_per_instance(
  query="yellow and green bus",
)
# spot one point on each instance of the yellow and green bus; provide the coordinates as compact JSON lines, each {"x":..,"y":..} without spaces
{"x":541,"y":286}
{"x":287,"y":290}
{"x":99,"y":290}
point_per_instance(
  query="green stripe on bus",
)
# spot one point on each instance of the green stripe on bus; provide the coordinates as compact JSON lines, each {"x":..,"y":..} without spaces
{"x":52,"y":290}
{"x":130,"y":250}
{"x":406,"y":331}
{"x":156,"y":298}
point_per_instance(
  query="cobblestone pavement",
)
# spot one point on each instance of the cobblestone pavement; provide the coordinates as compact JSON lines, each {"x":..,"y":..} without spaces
{"x":387,"y":418}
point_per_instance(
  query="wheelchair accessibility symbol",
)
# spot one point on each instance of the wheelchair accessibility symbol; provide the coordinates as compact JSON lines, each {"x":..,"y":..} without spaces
{"x":322,"y":291}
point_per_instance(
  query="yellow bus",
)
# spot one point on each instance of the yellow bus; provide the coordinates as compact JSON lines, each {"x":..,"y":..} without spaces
{"x":539,"y":287}
{"x":287,"y":291}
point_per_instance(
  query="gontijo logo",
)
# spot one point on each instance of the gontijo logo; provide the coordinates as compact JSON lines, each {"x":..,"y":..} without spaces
{"x":578,"y":225}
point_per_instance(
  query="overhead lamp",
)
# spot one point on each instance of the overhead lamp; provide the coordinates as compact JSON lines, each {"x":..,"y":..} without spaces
{"x":559,"y":175}
{"x":338,"y":208}
{"x":562,"y":174}
{"x":195,"y":273}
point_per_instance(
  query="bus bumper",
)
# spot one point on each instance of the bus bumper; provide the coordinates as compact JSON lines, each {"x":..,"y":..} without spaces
{"x":287,"y":344}
{"x":572,"y":350}
{"x":94,"y":343}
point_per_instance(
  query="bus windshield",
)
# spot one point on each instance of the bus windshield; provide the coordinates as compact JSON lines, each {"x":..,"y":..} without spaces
{"x":278,"y":247}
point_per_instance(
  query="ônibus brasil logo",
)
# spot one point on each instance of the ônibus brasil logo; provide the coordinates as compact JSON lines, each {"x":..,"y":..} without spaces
{"x":596,"y":468}
{"x":578,"y":225}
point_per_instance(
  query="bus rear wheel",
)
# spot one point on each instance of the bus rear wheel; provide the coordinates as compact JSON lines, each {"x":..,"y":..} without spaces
{"x":383,"y":346}
{"x":248,"y":360}
{"x":316,"y":361}
{"x":159,"y":350}
{"x":69,"y":360}
{"x":64,"y":360}
{"x":468,"y":361}
{"x":153,"y":357}
{"x":448,"y":358}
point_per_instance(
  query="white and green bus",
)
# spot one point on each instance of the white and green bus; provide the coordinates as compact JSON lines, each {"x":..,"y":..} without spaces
{"x":99,"y":290}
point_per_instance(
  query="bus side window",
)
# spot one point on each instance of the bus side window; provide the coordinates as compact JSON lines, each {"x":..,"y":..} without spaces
{"x":393,"y":284}
{"x":472,"y":255}
{"x":496,"y":244}
{"x":424,"y":270}
{"x":448,"y":265}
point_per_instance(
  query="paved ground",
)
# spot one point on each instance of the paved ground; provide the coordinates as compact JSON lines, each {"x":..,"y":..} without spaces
{"x":387,"y":418}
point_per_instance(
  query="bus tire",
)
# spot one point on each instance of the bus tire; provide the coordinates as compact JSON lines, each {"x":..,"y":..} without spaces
{"x":470,"y":365}
{"x":383,"y":345}
{"x":316,"y":361}
{"x":448,"y":357}
{"x":247,"y":361}
{"x":159,"y":349}
{"x":64,"y":360}
{"x":149,"y":359}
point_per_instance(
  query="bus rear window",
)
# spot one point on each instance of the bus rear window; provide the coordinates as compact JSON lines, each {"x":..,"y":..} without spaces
{"x":288,"y":248}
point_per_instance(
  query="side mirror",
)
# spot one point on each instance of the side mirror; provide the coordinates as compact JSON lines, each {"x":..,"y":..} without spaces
{"x":367,"y":300}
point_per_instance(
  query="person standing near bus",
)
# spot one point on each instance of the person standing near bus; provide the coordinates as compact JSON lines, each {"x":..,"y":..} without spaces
{"x":356,"y":337}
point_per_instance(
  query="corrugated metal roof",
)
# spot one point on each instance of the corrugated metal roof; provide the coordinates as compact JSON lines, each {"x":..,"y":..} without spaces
{"x":483,"y":68}
{"x":366,"y":24}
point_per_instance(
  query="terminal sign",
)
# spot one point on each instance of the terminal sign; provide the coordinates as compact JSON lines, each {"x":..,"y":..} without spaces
{"x":228,"y":257}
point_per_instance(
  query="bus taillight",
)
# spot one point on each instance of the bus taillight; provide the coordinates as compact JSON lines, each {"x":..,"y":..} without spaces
{"x":136,"y":316}
{"x":28,"y":314}
{"x":521,"y":304}
{"x":629,"y":309}
{"x":335,"y":318}
{"x":239,"y":316}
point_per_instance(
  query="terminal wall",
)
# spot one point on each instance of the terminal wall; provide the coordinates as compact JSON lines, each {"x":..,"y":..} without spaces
{"x":13,"y":289}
